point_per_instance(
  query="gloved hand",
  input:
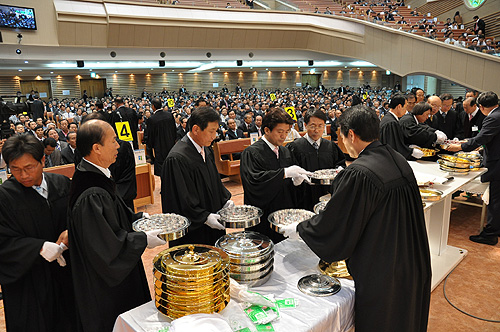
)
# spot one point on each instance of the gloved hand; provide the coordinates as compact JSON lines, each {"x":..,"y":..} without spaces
{"x":417,"y":153}
{"x":50,"y":251}
{"x":229,"y":204}
{"x":297,"y":181}
{"x":213,"y":222}
{"x":441,"y":137}
{"x":146,"y":215}
{"x":60,"y":260}
{"x":290,"y":231}
{"x":153,"y":239}
{"x":295,"y":171}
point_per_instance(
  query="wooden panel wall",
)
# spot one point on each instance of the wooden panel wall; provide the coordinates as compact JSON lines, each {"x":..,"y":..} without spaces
{"x":133,"y":84}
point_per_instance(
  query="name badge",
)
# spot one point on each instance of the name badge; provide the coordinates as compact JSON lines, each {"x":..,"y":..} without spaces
{"x":475,"y":128}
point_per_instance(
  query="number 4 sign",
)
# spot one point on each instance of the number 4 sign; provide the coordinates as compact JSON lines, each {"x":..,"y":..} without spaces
{"x":123,"y":130}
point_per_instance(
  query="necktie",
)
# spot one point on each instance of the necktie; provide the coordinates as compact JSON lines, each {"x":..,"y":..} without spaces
{"x":276,"y":152}
{"x":315,"y":145}
{"x":258,"y":130}
{"x":41,"y":191}
{"x":49,"y":161}
{"x":470,"y":117}
{"x":202,"y":152}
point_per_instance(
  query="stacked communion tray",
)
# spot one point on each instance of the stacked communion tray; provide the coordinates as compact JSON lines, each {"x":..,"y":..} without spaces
{"x":251,"y":256}
{"x":288,"y":216}
{"x":191,"y":279}
{"x":173,"y":226}
{"x":240,"y":216}
{"x":454,"y":164}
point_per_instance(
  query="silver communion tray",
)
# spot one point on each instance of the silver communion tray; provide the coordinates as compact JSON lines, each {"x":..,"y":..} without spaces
{"x":240,"y":216}
{"x":324,"y":176}
{"x":319,"y":285}
{"x":173,"y":226}
{"x":288,"y":216}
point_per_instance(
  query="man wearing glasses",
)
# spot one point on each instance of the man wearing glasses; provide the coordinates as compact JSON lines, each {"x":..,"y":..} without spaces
{"x":312,"y":152}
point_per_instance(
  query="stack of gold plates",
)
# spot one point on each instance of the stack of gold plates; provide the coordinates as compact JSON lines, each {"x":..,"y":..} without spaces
{"x":430,"y":195}
{"x":334,"y":269}
{"x":454,"y":164}
{"x":474,"y":157}
{"x":428,"y":152}
{"x":191,"y":279}
{"x":251,"y":256}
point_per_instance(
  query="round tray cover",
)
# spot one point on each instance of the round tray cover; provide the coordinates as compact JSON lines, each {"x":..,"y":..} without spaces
{"x":241,"y":216}
{"x":168,"y":222}
{"x":245,"y":244}
{"x":319,"y":285}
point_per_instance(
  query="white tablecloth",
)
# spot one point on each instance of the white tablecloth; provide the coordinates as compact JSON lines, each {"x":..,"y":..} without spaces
{"x":293,"y":260}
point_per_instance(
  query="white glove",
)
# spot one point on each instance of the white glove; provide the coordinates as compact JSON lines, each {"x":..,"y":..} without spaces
{"x":153,"y":239}
{"x":213,"y":222}
{"x":60,"y":260}
{"x":417,"y":154}
{"x":229,"y":204}
{"x":295,"y":171}
{"x":290,"y":231}
{"x":297,"y":181}
{"x":441,"y":137}
{"x":50,"y":251}
{"x":146,"y":215}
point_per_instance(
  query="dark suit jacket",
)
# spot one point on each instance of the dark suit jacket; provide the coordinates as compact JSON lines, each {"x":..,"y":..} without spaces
{"x":37,"y":109}
{"x":231,"y":135}
{"x":477,"y":121}
{"x":245,"y":129}
{"x":480,"y":25}
{"x":162,"y":135}
{"x":55,"y":157}
{"x":450,"y":124}
{"x":432,"y":122}
{"x":181,"y":133}
{"x":489,"y":137}
{"x":68,"y":156}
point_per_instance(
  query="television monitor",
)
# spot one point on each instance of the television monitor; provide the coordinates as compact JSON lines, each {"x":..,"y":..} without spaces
{"x":17,"y":17}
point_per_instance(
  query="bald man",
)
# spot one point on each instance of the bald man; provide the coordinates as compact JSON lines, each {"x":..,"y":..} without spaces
{"x":435,"y":103}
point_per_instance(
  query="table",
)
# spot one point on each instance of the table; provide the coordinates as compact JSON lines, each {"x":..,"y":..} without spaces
{"x":437,"y":220}
{"x":293,"y":260}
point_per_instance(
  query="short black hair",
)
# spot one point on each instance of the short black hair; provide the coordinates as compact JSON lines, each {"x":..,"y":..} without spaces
{"x":90,"y":133}
{"x":38,"y":127}
{"x":487,"y":99}
{"x":18,"y":145}
{"x":410,"y":95}
{"x":200,"y":100}
{"x":202,"y":116}
{"x":396,"y":100}
{"x":49,"y":141}
{"x":119,"y":100}
{"x":421,"y":108}
{"x":314,"y":113}
{"x":446,"y":96}
{"x":156,"y":103}
{"x":99,"y":105}
{"x":362,"y":120}
{"x":276,"y":116}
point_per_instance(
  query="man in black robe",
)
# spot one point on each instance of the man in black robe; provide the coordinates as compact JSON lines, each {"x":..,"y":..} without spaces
{"x":190,"y":182}
{"x":375,"y":222}
{"x":489,"y":137}
{"x":125,"y":114}
{"x":268,"y":171}
{"x":106,"y":253}
{"x":162,"y":133}
{"x":416,"y":132}
{"x":391,"y":132}
{"x":312,"y":152}
{"x":37,"y":287}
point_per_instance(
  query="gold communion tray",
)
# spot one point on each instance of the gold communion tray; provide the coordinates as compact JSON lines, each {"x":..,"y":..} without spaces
{"x":430,"y":194}
{"x":428,"y":152}
{"x":334,"y":269}
{"x":191,"y":261}
{"x":453,"y":161}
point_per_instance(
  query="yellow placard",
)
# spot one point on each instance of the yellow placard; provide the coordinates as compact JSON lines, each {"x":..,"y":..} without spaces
{"x":291,"y":111}
{"x":273,"y":96}
{"x":365,"y":96}
{"x":170,"y":102}
{"x":124,"y":132}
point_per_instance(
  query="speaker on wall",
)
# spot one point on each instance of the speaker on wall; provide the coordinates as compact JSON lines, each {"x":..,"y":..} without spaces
{"x":239,"y":63}
{"x":80,"y":64}
{"x":162,"y":63}
{"x":311,"y":63}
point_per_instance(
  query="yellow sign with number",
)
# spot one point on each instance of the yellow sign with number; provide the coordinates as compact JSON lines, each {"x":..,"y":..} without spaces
{"x":170,"y":102}
{"x":273,"y":96}
{"x":291,"y":111}
{"x":124,"y":132}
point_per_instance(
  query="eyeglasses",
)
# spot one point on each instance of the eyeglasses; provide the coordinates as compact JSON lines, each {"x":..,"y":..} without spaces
{"x":315,"y":127}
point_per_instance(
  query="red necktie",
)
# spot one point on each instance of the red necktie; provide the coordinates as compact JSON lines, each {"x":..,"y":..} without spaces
{"x":276,"y":152}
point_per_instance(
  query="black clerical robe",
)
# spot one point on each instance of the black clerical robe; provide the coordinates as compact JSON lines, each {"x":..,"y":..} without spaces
{"x":123,"y":173}
{"x":264,"y":185}
{"x":37,"y":295}
{"x":162,"y":134}
{"x":375,"y":221}
{"x":391,"y":133}
{"x":416,"y":134}
{"x":192,"y":188}
{"x":106,"y":253}
{"x":328,"y":156}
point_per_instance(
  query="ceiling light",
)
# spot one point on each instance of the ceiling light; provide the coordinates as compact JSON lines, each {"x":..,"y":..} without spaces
{"x":26,"y":62}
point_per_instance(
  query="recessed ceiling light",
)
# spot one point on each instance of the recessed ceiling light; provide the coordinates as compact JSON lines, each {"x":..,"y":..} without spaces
{"x":90,"y":69}
{"x":19,"y":70}
{"x":116,"y":71}
{"x":26,"y":62}
{"x":52,"y":72}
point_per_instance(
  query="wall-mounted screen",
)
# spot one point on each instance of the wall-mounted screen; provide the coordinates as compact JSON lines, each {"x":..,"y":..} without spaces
{"x":17,"y":17}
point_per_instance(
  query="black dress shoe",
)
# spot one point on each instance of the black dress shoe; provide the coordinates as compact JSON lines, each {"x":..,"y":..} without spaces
{"x":484,"y":239}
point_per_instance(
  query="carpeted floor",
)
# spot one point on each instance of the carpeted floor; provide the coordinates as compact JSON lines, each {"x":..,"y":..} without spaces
{"x":473,"y":286}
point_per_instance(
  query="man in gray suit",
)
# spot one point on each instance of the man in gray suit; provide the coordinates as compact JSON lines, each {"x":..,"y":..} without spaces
{"x":52,"y":155}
